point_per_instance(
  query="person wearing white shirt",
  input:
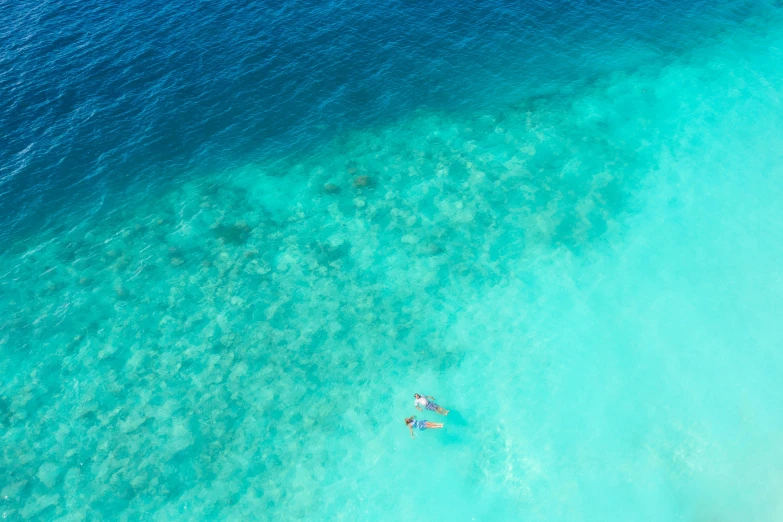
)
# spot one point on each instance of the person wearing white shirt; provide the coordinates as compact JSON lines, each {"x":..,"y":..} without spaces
{"x":428,"y":403}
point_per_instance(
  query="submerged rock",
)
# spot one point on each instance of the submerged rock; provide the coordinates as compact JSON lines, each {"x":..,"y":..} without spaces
{"x":433,"y":249}
{"x":331,"y":188}
{"x":235,"y":235}
{"x":362,"y":181}
{"x":122,"y":292}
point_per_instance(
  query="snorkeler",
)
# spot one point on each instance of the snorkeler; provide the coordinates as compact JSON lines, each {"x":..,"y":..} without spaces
{"x":411,"y":422}
{"x":427,"y":402}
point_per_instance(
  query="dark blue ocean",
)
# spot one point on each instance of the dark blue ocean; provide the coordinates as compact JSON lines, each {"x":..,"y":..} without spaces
{"x":236,"y":237}
{"x":103,"y":101}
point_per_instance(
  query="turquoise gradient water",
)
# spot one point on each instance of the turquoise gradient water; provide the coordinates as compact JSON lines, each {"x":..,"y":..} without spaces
{"x":589,"y":280}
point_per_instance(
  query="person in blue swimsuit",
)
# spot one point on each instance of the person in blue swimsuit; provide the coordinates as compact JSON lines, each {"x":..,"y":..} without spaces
{"x":428,"y":403}
{"x":412,"y":423}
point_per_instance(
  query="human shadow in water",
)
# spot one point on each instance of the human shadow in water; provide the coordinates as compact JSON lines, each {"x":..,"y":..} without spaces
{"x":456,"y":435}
{"x":456,"y":418}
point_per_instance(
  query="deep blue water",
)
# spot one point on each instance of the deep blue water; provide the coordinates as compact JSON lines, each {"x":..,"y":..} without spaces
{"x":106,"y":100}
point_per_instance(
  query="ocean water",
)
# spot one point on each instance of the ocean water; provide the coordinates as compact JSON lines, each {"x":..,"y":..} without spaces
{"x":237,"y":238}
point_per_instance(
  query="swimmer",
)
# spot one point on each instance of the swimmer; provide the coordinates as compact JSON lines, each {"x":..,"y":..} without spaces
{"x":428,"y":402}
{"x":411,"y":422}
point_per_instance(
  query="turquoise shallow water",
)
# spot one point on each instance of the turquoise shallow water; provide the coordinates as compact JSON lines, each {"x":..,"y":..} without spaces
{"x":589,"y":281}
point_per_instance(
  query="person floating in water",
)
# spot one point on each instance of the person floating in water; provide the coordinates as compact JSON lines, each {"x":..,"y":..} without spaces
{"x":411,"y":422}
{"x":427,"y":402}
